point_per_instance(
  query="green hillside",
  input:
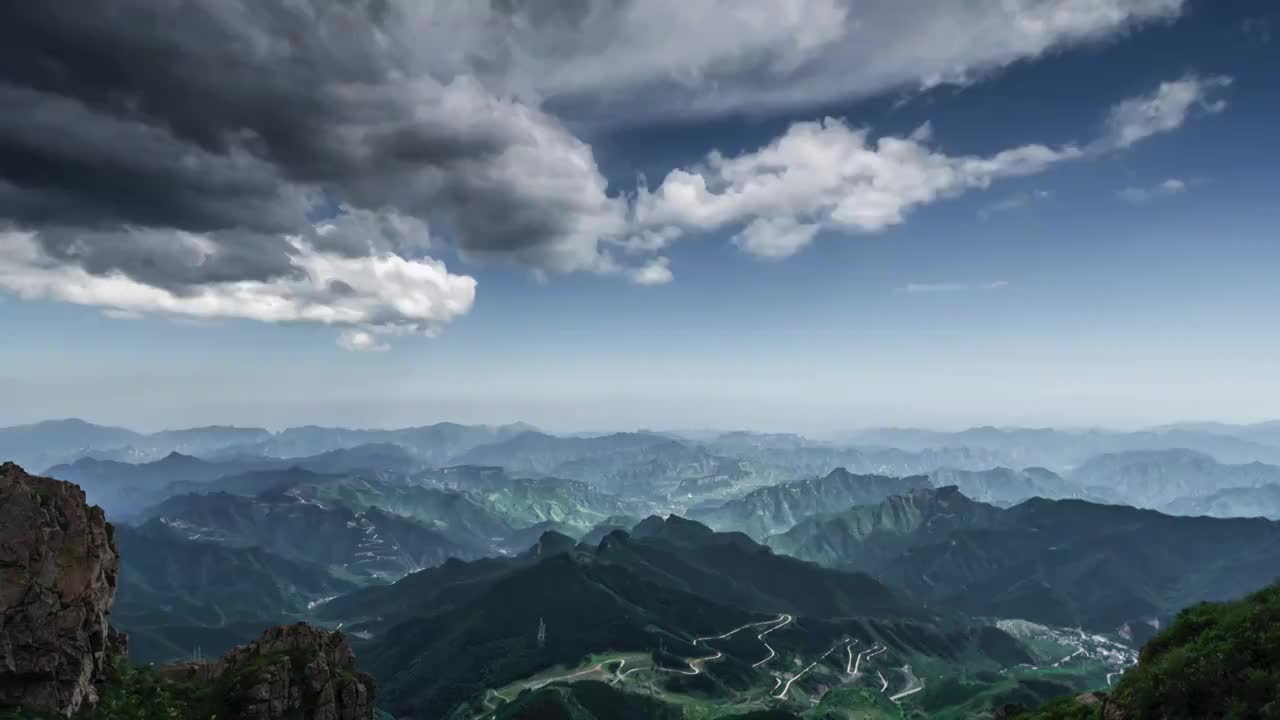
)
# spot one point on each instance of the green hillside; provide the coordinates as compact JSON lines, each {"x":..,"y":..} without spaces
{"x":1060,"y":562}
{"x":1217,"y":661}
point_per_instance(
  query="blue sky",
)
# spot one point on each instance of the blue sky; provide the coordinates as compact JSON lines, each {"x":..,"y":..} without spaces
{"x":1133,"y":285}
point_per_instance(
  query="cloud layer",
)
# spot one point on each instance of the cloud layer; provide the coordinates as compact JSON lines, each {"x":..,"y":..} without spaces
{"x":659,"y":58}
{"x":185,"y":151}
{"x":383,"y":293}
{"x":1165,"y":109}
{"x":1172,"y":186}
{"x":828,"y":174}
{"x":312,"y":160}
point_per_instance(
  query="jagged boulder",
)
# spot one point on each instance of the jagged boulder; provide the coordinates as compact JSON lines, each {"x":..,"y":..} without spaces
{"x":290,"y":671}
{"x":58,"y":565}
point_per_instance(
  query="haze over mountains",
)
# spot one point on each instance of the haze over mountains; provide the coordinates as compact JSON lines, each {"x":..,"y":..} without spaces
{"x":448,"y":551}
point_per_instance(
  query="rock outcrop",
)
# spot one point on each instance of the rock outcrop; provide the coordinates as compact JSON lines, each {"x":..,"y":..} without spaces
{"x":291,"y":671}
{"x":1008,"y":711}
{"x":58,"y":565}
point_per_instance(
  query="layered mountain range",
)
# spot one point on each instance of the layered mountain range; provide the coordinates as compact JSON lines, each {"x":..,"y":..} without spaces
{"x":1062,"y":562}
{"x":483,"y":570}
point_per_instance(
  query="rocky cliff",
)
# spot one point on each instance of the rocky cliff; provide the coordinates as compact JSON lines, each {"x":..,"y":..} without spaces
{"x":58,"y":566}
{"x":292,"y":671}
{"x":58,"y":569}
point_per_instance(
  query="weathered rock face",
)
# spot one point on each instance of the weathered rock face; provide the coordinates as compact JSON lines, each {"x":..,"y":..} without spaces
{"x":291,"y":671}
{"x":58,"y":566}
{"x":1008,"y":711}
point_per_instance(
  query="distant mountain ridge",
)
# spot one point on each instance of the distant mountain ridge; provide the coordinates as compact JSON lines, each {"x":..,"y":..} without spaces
{"x":1062,"y":450}
{"x":1261,"y":501}
{"x":640,"y":464}
{"x":1061,"y":562}
{"x":364,"y":545}
{"x":1157,"y":478}
{"x":54,"y":442}
{"x":123,"y":488}
{"x":777,"y":508}
{"x":1006,"y":486}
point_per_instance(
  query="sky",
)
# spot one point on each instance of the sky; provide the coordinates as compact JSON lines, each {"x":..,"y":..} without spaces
{"x":803,"y":215}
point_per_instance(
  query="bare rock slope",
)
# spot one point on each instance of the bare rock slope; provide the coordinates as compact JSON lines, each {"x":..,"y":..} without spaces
{"x":58,"y":565}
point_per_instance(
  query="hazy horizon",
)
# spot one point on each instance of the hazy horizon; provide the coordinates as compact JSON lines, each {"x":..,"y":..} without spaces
{"x":834,"y":434}
{"x":824,"y":222}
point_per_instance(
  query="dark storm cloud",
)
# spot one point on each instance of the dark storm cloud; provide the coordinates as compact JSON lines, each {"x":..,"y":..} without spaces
{"x":162,"y":259}
{"x":230,"y":117}
{"x":62,"y":162}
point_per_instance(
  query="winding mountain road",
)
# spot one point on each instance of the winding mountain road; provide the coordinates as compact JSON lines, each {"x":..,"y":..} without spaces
{"x":783,"y":695}
{"x":619,"y":675}
{"x":598,"y":667}
{"x":693,"y":665}
{"x":781,"y":622}
{"x":848,"y":666}
{"x":873,"y":650}
{"x":914,"y":684}
{"x":777,"y":622}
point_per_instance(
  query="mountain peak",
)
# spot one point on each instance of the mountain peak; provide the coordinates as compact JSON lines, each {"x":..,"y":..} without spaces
{"x":680,"y":530}
{"x":648,"y":527}
{"x":553,"y":543}
{"x":613,"y":539}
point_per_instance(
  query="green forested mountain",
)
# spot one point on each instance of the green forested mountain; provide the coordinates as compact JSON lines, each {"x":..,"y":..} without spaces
{"x":608,"y":525}
{"x":589,"y":700}
{"x":443,"y":636}
{"x":177,"y":595}
{"x":1217,"y":661}
{"x":872,"y":537}
{"x":1062,"y":562}
{"x":732,"y":569}
{"x":525,"y":501}
{"x":639,"y":465}
{"x":778,"y":508}
{"x":431,"y":663}
{"x":371,"y":544}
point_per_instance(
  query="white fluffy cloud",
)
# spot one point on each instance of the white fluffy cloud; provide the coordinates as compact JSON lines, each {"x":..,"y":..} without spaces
{"x":655,"y":272}
{"x":678,"y":57}
{"x":361,"y":341}
{"x":1134,"y":194}
{"x":1165,"y":109}
{"x":828,"y":174}
{"x":825,"y":174}
{"x":776,"y":237}
{"x":382,"y":293}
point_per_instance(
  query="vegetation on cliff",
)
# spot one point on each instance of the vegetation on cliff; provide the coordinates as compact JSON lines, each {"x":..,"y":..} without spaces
{"x":1217,"y":661}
